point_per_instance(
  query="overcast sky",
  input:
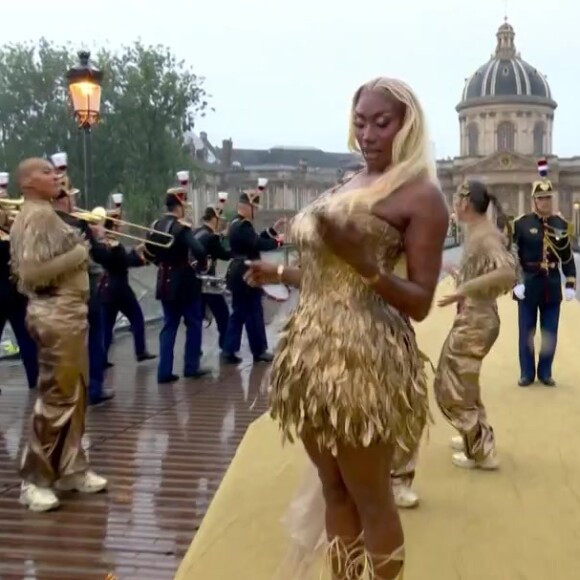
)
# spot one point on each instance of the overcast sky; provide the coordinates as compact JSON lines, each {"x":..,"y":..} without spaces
{"x":283,"y":72}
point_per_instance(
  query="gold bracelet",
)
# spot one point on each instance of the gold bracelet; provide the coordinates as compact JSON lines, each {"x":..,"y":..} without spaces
{"x":372,"y":280}
{"x":280,"y":271}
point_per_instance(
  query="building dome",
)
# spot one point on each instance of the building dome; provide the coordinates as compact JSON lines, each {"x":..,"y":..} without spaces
{"x":506,"y":78}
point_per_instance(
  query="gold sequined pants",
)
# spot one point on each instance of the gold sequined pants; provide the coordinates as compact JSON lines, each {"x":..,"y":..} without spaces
{"x":58,"y":325}
{"x":457,"y":388}
{"x":405,"y":474}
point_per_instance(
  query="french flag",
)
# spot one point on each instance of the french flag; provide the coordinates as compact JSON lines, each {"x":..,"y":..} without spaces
{"x":543,"y":167}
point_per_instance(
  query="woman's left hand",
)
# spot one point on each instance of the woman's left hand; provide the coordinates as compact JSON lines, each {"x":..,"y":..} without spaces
{"x":450,"y":299}
{"x":346,"y":240}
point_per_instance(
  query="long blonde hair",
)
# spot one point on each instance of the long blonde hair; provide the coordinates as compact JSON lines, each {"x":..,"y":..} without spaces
{"x":412,"y":149}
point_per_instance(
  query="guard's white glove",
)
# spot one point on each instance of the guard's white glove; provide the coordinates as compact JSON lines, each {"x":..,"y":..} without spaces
{"x":520,"y":291}
{"x":569,"y":293}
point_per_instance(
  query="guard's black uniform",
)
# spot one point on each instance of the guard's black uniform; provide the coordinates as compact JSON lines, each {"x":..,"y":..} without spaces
{"x":118,"y":296}
{"x":543,"y":247}
{"x":13,"y":310}
{"x":247,"y":309}
{"x":99,"y":253}
{"x":179,"y":290}
{"x":212,"y":242}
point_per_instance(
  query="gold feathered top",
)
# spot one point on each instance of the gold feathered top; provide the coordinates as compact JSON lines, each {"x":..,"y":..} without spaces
{"x":487,"y":268}
{"x":46,"y":252}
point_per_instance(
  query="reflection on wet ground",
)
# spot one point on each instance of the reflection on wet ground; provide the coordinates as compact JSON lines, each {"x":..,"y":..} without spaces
{"x":164,"y":449}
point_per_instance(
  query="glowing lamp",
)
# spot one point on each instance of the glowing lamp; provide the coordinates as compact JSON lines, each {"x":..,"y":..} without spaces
{"x":84,"y":85}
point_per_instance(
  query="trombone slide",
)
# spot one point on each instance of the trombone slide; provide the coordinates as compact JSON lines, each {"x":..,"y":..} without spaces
{"x":99,"y":215}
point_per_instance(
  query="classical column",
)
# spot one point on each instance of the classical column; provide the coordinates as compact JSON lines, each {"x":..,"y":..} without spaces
{"x":522,"y":201}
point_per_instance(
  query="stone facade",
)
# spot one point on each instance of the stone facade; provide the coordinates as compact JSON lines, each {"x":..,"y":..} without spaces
{"x":485,"y":129}
{"x":506,"y":121}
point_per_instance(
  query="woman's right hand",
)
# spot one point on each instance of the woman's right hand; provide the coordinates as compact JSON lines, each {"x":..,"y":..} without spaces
{"x":260,"y":273}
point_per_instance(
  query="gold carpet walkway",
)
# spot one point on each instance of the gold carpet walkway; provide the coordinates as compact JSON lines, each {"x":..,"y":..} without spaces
{"x":520,"y":523}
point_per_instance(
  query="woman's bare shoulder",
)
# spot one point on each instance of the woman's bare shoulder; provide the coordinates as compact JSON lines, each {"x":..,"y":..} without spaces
{"x":426,"y":191}
{"x":416,"y":199}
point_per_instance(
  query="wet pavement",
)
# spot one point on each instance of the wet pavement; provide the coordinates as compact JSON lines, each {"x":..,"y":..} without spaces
{"x":164,"y":449}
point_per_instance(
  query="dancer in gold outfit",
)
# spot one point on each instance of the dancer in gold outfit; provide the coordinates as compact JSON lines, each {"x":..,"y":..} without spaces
{"x":49,"y":260}
{"x":348,"y":377}
{"x":487,"y":270}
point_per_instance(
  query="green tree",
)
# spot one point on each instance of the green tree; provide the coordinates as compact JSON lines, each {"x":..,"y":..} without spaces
{"x":149,"y":99}
{"x":34,"y":119}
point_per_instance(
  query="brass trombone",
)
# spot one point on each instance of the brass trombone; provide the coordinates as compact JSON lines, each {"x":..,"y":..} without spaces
{"x":9,"y":209}
{"x":10,"y":203}
{"x":100,"y":214}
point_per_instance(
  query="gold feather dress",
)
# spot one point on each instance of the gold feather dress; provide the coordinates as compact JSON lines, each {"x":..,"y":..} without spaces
{"x":49,"y":262}
{"x":347,"y":367}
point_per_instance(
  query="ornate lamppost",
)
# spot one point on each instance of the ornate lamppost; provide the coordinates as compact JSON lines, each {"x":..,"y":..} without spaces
{"x":84,"y":85}
{"x":576,"y":224}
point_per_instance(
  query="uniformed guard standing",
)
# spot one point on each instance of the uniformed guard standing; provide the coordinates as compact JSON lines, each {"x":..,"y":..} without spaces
{"x":12,"y":303}
{"x":542,"y":241}
{"x":247,"y":310}
{"x":212,"y":241}
{"x":117,"y":293}
{"x":178,"y":287}
{"x":64,"y":206}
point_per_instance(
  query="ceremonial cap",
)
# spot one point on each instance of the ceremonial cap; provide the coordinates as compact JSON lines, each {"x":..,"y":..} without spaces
{"x":176,"y":196}
{"x":59,"y":160}
{"x":542,"y":187}
{"x":252,"y":196}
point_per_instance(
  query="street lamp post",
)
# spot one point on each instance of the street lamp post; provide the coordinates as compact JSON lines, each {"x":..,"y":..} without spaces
{"x":84,"y":85}
{"x":577,"y":222}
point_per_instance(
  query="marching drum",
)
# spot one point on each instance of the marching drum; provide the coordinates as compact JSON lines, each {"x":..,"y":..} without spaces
{"x":274,"y":296}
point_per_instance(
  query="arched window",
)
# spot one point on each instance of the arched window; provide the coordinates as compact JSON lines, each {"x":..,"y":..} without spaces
{"x":506,"y":133}
{"x":539,"y":134}
{"x":472,"y":140}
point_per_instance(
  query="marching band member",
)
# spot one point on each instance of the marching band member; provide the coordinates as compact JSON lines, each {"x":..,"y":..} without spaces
{"x":178,"y":288}
{"x":211,"y":240}
{"x":116,"y":291}
{"x":12,"y":303}
{"x":64,"y":205}
{"x":49,"y":260}
{"x":542,"y":243}
{"x":247,"y":310}
{"x":487,"y":270}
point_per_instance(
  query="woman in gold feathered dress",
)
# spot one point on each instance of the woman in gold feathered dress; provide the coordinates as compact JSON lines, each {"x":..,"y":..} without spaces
{"x":49,"y":261}
{"x":348,"y":377}
{"x":487,"y":270}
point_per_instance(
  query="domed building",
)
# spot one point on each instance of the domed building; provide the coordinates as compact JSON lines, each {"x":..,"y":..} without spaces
{"x":506,"y":117}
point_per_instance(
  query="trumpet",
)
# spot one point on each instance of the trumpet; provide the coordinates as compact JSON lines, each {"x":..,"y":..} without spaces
{"x":99,"y":215}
